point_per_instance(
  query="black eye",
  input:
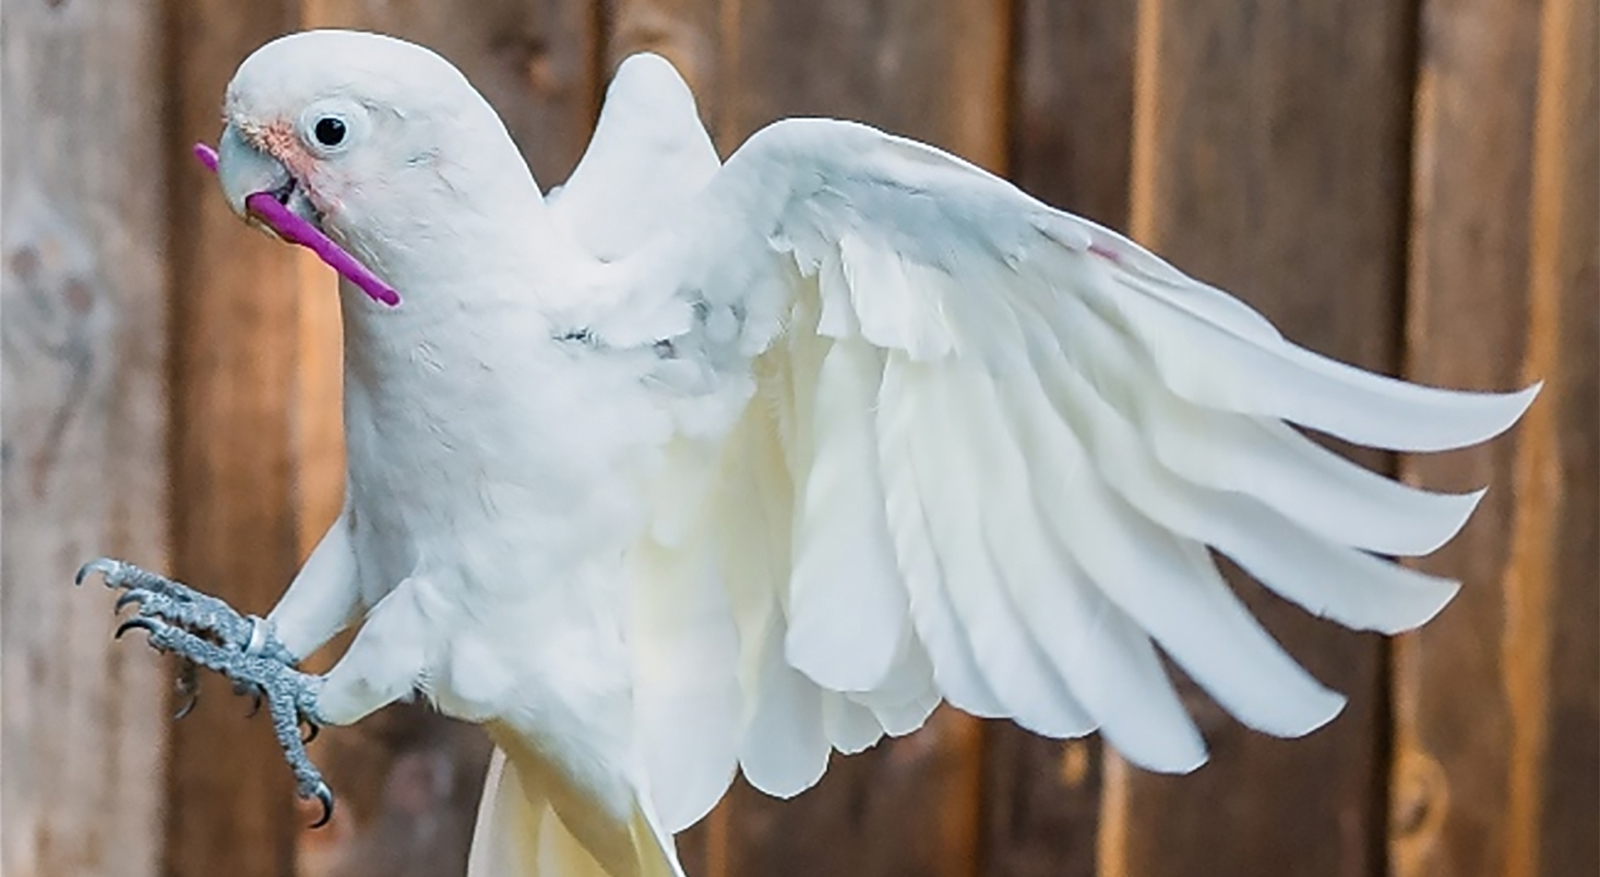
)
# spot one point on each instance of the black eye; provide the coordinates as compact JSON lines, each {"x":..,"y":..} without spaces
{"x":330,"y":131}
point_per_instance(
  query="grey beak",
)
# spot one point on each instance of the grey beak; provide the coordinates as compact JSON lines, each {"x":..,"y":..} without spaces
{"x":244,"y":170}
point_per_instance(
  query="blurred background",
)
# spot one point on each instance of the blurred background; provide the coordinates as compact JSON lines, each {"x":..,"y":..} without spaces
{"x":1408,"y":184}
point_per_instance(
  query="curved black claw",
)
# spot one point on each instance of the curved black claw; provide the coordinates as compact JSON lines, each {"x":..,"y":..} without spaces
{"x":186,"y":708}
{"x":144,"y":624}
{"x":188,"y":688}
{"x":125,"y":599}
{"x":102,"y":565}
{"x":254,"y":692}
{"x":324,"y":795}
{"x":311,"y":732}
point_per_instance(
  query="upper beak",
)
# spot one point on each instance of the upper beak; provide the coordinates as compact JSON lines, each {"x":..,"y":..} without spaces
{"x":244,"y":170}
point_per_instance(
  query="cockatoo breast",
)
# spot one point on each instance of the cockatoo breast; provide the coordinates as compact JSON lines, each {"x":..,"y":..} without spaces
{"x":457,"y":427}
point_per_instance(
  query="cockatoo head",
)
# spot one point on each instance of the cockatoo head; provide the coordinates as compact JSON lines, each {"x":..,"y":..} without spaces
{"x":369,"y":138}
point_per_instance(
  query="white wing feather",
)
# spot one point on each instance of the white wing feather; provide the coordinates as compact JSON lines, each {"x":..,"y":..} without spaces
{"x":980,"y":449}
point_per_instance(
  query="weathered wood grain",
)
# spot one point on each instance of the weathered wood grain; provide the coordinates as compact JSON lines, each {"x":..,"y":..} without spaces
{"x":938,"y":72}
{"x":233,"y":349}
{"x":908,"y":806}
{"x":1041,"y":804}
{"x":1071,"y":132}
{"x":1496,"y":712}
{"x":85,"y":434}
{"x":1565,"y":287}
{"x":935,"y":71}
{"x":1072,"y":97}
{"x":1270,"y":158}
{"x":1467,"y":324}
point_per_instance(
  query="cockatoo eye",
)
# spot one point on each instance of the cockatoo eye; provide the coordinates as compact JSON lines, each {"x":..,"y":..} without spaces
{"x":332,"y":126}
{"x":330,"y":131}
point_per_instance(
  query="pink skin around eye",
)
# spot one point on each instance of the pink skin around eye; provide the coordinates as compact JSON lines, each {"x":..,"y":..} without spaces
{"x":297,"y":231}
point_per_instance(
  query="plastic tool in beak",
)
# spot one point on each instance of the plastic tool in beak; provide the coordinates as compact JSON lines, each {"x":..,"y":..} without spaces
{"x":295,"y":230}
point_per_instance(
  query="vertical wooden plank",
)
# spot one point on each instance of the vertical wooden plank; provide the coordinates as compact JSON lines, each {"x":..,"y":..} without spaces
{"x":234,"y":296}
{"x":908,"y":806}
{"x":1270,"y":158}
{"x":1497,"y":721}
{"x":409,"y":778}
{"x":1565,"y":286}
{"x":1467,"y":323}
{"x":938,"y":72}
{"x":1072,"y":124}
{"x":935,"y":72}
{"x":84,"y":453}
{"x":1070,"y":146}
{"x":1041,"y":802}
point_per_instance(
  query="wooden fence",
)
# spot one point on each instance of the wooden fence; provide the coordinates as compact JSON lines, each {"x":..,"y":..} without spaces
{"x":1407,"y":184}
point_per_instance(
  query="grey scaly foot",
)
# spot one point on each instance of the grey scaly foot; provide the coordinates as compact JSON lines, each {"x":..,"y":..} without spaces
{"x":160,"y":597}
{"x":179,"y":603}
{"x":242,"y":648}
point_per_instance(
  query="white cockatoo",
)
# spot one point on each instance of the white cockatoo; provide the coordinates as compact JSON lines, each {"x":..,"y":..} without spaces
{"x":691,"y":467}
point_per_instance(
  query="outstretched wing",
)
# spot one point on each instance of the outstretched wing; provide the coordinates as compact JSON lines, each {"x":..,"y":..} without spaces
{"x":937,"y":440}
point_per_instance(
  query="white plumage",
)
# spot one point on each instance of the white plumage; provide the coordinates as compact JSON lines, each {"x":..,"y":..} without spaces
{"x":693,"y":467}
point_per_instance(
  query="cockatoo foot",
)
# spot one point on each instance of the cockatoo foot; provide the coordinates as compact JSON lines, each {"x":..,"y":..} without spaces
{"x":205,"y":631}
{"x":161,"y":597}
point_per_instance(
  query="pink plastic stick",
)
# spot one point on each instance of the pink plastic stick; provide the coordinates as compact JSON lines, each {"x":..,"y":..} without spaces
{"x":297,"y":231}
